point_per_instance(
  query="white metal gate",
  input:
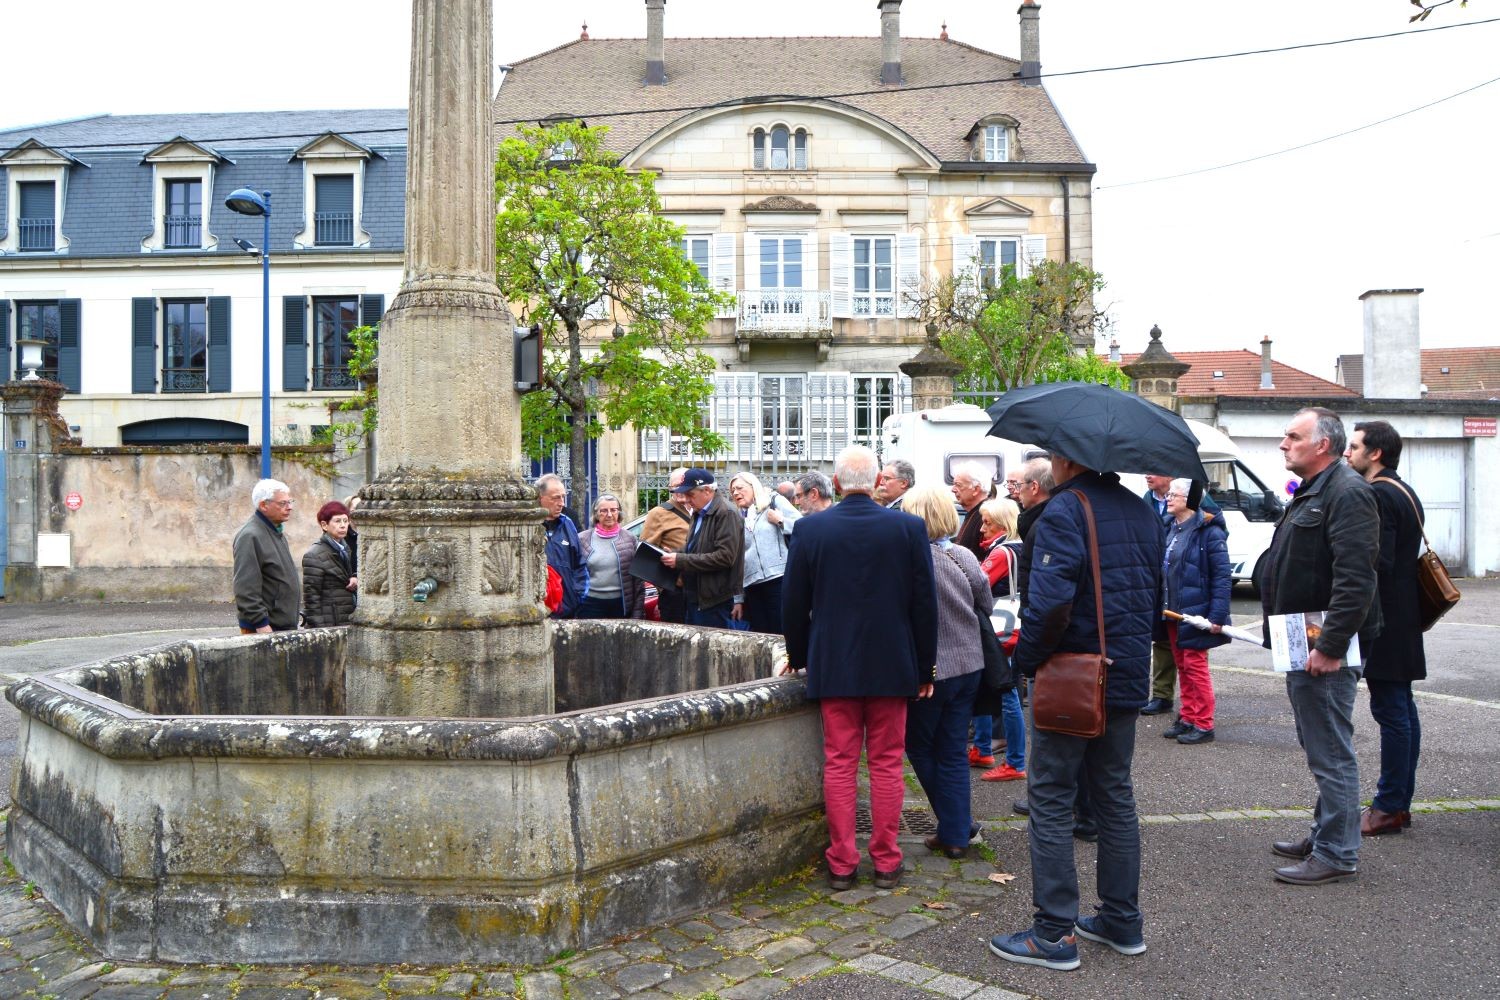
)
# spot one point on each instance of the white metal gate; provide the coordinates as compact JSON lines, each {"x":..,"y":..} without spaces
{"x":1435,"y":470}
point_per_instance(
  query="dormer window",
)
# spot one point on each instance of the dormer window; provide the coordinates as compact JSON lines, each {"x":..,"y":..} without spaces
{"x":183,"y":225}
{"x":993,"y":139}
{"x":996,"y":144}
{"x":333,"y":169}
{"x":35,"y":221}
{"x":183,"y":176}
{"x":333,"y":211}
{"x":35,"y":194}
{"x":780,"y":149}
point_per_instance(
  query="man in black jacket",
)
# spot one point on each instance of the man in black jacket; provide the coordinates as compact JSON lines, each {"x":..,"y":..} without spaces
{"x":1323,"y":558}
{"x":1397,"y":658}
{"x":713,"y":561}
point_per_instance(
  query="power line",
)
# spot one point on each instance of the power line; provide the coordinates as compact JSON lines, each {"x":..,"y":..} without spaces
{"x":772,"y":98}
{"x":1305,"y":145}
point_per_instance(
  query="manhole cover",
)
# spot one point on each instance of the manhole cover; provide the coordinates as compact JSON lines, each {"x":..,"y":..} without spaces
{"x":914,"y":821}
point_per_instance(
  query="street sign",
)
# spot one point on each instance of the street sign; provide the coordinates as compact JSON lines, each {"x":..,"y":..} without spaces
{"x":1480,"y":427}
{"x":1291,"y":486}
{"x":73,"y":501}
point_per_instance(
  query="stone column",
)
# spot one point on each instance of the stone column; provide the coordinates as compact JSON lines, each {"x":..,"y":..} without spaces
{"x":449,"y":517}
{"x":931,"y":373}
{"x":34,"y":429}
{"x":1154,"y":374}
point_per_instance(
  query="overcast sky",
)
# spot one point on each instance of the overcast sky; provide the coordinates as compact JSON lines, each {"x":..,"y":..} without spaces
{"x":1283,"y":246}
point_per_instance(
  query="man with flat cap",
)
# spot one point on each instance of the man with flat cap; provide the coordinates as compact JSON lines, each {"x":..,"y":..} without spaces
{"x":713,"y":561}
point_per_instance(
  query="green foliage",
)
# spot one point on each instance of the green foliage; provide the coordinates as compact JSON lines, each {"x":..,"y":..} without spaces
{"x":1427,"y":9}
{"x":581,"y":248}
{"x":364,"y":366}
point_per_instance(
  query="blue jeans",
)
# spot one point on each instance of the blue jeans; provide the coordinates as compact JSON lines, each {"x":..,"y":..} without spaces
{"x":1053,"y":780}
{"x":1395,"y":711}
{"x":984,"y":734}
{"x":714,"y":617}
{"x":937,"y":734}
{"x":1014,"y":723}
{"x":1323,"y":707}
{"x":763,"y":606}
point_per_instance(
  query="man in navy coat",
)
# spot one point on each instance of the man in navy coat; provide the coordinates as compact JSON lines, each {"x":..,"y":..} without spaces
{"x":860,"y":611}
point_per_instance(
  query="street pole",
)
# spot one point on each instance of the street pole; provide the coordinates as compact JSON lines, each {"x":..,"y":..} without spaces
{"x":265,"y":343}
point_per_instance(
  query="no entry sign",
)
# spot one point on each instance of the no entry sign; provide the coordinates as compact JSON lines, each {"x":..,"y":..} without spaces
{"x":73,"y":501}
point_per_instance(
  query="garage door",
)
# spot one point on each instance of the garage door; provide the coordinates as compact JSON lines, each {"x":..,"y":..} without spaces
{"x":1435,"y":469}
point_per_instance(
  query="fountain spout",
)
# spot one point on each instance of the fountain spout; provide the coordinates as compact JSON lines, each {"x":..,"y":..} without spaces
{"x":424,"y":587}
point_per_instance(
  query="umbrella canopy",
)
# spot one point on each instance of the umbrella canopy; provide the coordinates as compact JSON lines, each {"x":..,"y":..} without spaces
{"x":1098,"y":427}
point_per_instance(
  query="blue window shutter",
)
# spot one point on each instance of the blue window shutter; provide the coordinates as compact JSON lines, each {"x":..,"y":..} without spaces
{"x":294,"y":343}
{"x":334,"y":193}
{"x":6,"y":372}
{"x":142,"y":345}
{"x":69,"y":361}
{"x":371,"y":308}
{"x":37,"y":199}
{"x":218,"y":344}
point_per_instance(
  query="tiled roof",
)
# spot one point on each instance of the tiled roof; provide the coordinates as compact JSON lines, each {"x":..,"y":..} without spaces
{"x":1447,"y":372}
{"x":1241,"y":376}
{"x":382,"y":127}
{"x":595,"y":79}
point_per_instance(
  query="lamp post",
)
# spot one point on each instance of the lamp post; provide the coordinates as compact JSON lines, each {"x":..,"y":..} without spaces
{"x":248,"y":202}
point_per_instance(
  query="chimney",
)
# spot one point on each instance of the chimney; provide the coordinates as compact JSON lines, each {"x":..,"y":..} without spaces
{"x":890,"y":41}
{"x":1031,"y":43}
{"x":1393,"y":349}
{"x":1114,"y":351}
{"x":1265,"y":364}
{"x":656,"y":69}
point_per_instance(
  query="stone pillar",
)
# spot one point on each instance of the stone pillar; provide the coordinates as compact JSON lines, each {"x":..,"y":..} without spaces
{"x":890,"y":41}
{"x":1154,"y":374}
{"x":931,"y":373}
{"x":449,"y":516}
{"x":656,"y":66}
{"x":1030,"y":13}
{"x":1393,"y":344}
{"x":33,"y":430}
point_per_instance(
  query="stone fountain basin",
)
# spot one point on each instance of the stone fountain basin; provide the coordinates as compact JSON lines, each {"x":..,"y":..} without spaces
{"x":209,"y":802}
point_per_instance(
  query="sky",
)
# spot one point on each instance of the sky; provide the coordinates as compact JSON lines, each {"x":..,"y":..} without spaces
{"x":1281,"y":247}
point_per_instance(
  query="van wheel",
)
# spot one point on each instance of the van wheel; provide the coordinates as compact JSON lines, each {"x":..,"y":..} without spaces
{"x":1260,"y":564}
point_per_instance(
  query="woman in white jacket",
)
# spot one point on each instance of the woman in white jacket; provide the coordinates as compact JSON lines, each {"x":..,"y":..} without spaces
{"x":769,"y":521}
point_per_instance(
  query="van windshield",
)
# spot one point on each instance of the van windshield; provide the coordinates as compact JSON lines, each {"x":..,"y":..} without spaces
{"x":1234,"y":487}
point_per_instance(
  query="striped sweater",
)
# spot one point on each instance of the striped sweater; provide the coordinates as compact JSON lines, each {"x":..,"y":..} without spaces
{"x":961,"y":587}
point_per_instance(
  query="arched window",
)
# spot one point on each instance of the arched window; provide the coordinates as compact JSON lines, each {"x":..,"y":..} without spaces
{"x":760,"y":149}
{"x":782,"y":149}
{"x":780,"y":159}
{"x":801,"y":149}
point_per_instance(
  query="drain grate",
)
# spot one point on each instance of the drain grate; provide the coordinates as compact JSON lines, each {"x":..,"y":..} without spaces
{"x":913,"y":821}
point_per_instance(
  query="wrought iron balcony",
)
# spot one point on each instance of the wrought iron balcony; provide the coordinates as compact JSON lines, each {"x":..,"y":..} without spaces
{"x":36,"y":234}
{"x":183,"y":230}
{"x":333,"y":229}
{"x":184,"y":380}
{"x":334,"y":378}
{"x":786,"y":310}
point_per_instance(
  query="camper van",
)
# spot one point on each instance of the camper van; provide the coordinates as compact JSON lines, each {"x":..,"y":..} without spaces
{"x":934,"y":441}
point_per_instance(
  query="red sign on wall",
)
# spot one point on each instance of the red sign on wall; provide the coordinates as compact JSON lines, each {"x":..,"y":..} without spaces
{"x":73,"y":501}
{"x":1479,"y":427}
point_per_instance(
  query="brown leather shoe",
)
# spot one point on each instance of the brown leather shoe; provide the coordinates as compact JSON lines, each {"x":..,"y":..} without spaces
{"x":1294,"y":849}
{"x":889,"y":880}
{"x":1374,"y":822}
{"x":1311,"y":871}
{"x":946,"y":850}
{"x":1405,"y":819}
{"x":838,"y":883}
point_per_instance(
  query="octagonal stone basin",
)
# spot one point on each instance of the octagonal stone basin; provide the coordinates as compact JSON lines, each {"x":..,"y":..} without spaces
{"x":209,"y":802}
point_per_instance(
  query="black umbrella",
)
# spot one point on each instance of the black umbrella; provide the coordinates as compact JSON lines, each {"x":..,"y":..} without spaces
{"x":1098,"y":427}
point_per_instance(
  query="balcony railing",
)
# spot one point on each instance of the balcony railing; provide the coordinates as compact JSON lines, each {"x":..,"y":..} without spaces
{"x":183,"y":230}
{"x":334,"y":378}
{"x":36,"y":234}
{"x":184,"y":380}
{"x":333,"y":229}
{"x":786,"y":310}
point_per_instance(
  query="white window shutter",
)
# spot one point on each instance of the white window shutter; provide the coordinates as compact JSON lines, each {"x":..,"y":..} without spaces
{"x":908,"y":273}
{"x":722,"y":269}
{"x":734,"y":413}
{"x":828,"y":404}
{"x":752,"y":262}
{"x":809,"y":260}
{"x":965,"y":254}
{"x":1033,"y":249}
{"x":840,"y":267}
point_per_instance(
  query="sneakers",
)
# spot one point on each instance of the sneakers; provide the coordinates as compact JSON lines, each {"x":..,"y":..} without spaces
{"x":1003,"y":773}
{"x":889,"y":880}
{"x":1176,"y":729}
{"x":1028,"y":949}
{"x":1092,"y":929}
{"x":1156,"y":706}
{"x":1194,"y":736}
{"x":976,"y":759}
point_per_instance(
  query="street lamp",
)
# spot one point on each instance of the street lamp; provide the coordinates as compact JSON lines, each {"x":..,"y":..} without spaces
{"x":248,"y":202}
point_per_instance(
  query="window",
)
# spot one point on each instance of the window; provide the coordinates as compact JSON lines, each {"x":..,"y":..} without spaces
{"x":183,"y":224}
{"x":185,"y":346}
{"x":333,"y":320}
{"x":695,"y":249}
{"x":333,"y":214}
{"x":874,"y":276}
{"x":996,"y":144}
{"x":40,"y":321}
{"x":875,"y":398}
{"x":785,"y":150}
{"x":781,"y":262}
{"x":782,"y":419}
{"x":36,"y":221}
{"x":995,"y":255}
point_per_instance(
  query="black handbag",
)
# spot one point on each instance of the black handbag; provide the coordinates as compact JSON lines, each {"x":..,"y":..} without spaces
{"x":997,"y":675}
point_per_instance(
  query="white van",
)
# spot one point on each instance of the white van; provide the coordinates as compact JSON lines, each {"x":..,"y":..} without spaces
{"x":933,"y":441}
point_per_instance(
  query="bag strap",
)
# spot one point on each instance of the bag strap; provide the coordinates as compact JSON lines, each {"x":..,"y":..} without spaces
{"x":1093,"y":533}
{"x":1012,"y":561}
{"x":980,"y":611}
{"x":1422,"y":527}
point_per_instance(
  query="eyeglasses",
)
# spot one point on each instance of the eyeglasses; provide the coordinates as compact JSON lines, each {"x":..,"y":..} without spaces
{"x":1180,"y":496}
{"x":283,"y":504}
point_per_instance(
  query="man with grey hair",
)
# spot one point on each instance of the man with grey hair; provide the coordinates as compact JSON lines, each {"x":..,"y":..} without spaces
{"x":1323,"y":557}
{"x":865,"y":659}
{"x":667,"y":527}
{"x":563,"y":552}
{"x":895,"y":479}
{"x":267,"y":588}
{"x":973,"y":484}
{"x":813,"y":494}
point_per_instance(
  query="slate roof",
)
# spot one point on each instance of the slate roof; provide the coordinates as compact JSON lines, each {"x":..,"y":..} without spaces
{"x":109,"y":202}
{"x":596,"y":78}
{"x":1472,"y":372}
{"x":1241,"y":376}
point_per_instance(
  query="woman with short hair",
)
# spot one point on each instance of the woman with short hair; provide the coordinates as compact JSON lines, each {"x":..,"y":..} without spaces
{"x":769,"y":520}
{"x":1195,"y":581}
{"x":608,"y":550}
{"x":328,"y":581}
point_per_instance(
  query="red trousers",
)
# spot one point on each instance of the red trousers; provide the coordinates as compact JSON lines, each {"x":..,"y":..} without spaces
{"x":1192,"y":677}
{"x":878,"y":725}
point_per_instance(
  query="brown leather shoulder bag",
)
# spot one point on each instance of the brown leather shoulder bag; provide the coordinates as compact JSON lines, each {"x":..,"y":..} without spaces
{"x":1068,"y":693}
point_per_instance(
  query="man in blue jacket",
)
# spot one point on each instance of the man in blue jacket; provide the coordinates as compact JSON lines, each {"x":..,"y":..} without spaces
{"x":1060,"y":616}
{"x":859,"y":607}
{"x":563,"y":553}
